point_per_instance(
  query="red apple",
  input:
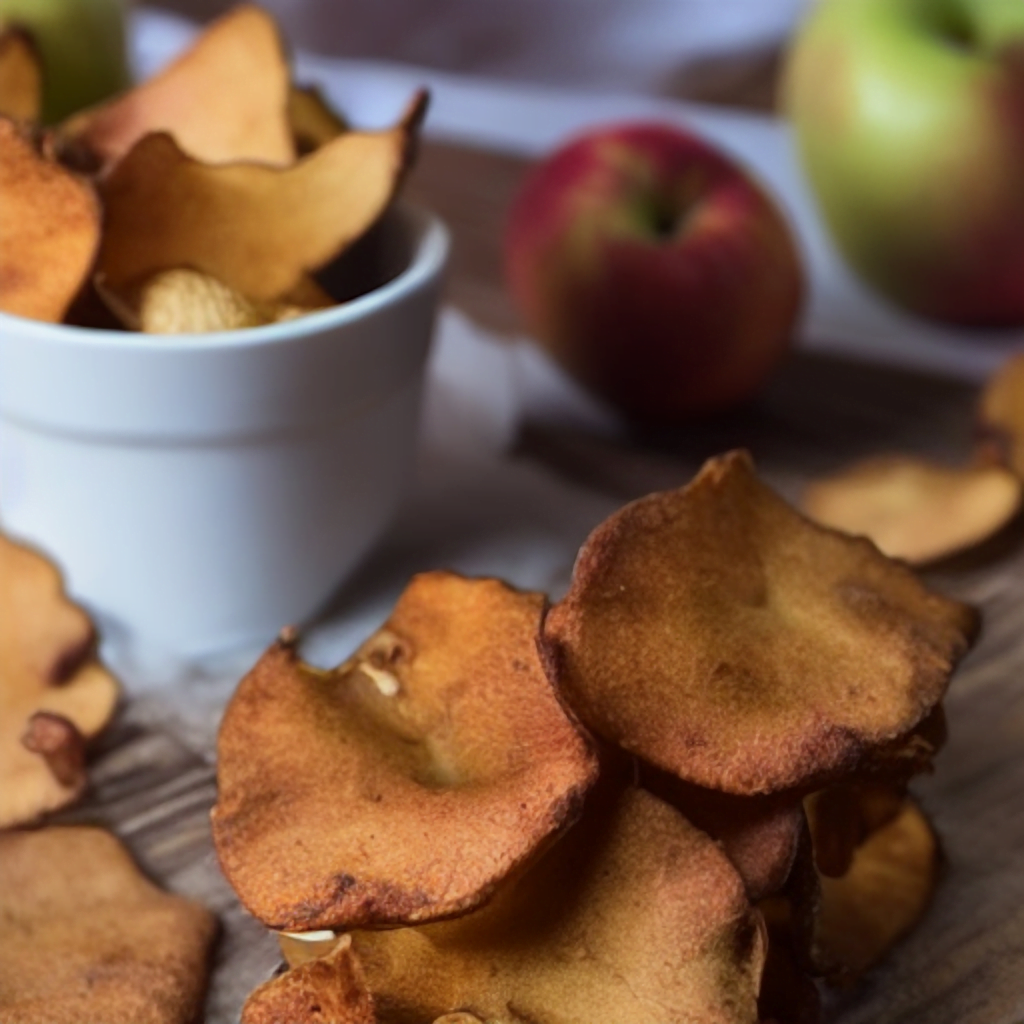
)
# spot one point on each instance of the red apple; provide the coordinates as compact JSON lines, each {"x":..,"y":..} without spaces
{"x":654,"y":270}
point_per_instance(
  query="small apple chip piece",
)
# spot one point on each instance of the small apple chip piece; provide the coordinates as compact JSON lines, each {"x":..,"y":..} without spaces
{"x":1001,"y":416}
{"x":187,"y":301}
{"x":885,"y":892}
{"x":719,"y":635}
{"x":915,"y":510}
{"x":257,"y":229}
{"x":634,"y":916}
{"x":54,"y":693}
{"x":86,"y":938}
{"x":405,"y":784}
{"x":312,"y":120}
{"x":50,"y":227}
{"x":21,"y":76}
{"x":224,"y":99}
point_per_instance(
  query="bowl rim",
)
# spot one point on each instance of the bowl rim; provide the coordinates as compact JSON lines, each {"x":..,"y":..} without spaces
{"x":431,"y":245}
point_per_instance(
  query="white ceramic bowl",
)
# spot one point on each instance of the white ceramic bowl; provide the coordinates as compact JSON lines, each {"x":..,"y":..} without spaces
{"x":202,"y":491}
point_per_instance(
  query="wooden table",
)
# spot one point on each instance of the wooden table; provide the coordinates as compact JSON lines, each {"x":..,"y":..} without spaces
{"x":965,"y":965}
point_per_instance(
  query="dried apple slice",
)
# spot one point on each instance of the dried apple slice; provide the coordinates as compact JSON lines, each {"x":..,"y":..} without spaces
{"x":21,"y":76}
{"x":184,"y":301}
{"x":634,"y":916}
{"x":407,"y":783}
{"x":717,"y":634}
{"x":257,"y":229}
{"x":50,"y":226}
{"x":1001,"y":416}
{"x":224,"y":99}
{"x":54,"y":693}
{"x":916,"y":510}
{"x":312,"y":120}
{"x":883,"y":895}
{"x":86,"y":938}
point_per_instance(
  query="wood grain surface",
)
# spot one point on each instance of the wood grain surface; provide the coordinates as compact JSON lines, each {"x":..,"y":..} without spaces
{"x":965,"y":965}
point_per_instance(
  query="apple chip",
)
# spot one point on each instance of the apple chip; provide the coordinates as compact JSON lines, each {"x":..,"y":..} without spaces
{"x":86,"y":938}
{"x":405,"y":784}
{"x":1001,"y":416}
{"x":257,"y":229}
{"x":311,"y":119}
{"x":915,"y":510}
{"x":54,"y":693}
{"x":717,"y":634}
{"x":50,"y":226}
{"x":189,"y":302}
{"x":883,"y":895}
{"x":224,"y":99}
{"x":21,"y":76}
{"x":634,"y":916}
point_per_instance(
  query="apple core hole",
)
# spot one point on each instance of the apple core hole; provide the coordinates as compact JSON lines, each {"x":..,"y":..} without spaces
{"x":957,"y":32}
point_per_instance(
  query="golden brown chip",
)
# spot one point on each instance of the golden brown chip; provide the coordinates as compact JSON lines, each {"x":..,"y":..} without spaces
{"x":1001,"y":416}
{"x":330,"y":990}
{"x":86,"y":938}
{"x":54,"y":693}
{"x":886,"y":891}
{"x":311,"y":119}
{"x":186,"y":301}
{"x":257,"y":229}
{"x":634,"y":916}
{"x":717,"y":634}
{"x":50,"y":227}
{"x":21,"y":76}
{"x":915,"y":510}
{"x":224,"y":99}
{"x":407,"y":783}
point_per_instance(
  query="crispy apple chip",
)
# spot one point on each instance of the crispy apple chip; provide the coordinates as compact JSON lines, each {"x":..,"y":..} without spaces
{"x":257,"y":229}
{"x":915,"y":510}
{"x":86,"y":938}
{"x":50,"y":226}
{"x":312,"y":120}
{"x":21,"y":76}
{"x":634,"y":916}
{"x":883,"y":895}
{"x":717,"y":634}
{"x":1001,"y":416}
{"x":405,"y":784}
{"x":189,"y":302}
{"x":224,"y":99}
{"x":54,"y":693}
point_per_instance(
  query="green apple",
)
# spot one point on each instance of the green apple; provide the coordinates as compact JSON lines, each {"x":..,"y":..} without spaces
{"x":909,"y":118}
{"x":82,"y":44}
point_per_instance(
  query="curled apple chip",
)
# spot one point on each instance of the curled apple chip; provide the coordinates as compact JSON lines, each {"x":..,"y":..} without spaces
{"x":883,"y":895}
{"x":184,"y":301}
{"x":634,"y":916}
{"x":915,"y":510}
{"x":21,"y":76}
{"x":405,"y":784}
{"x":54,"y":693}
{"x":86,"y":938}
{"x":719,"y":635}
{"x":328,"y":990}
{"x":257,"y":229}
{"x":50,"y":227}
{"x":224,"y":99}
{"x":1001,"y":416}
{"x":311,"y":118}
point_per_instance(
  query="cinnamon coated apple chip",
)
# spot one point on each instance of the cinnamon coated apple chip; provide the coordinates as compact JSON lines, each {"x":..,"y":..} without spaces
{"x":224,"y":99}
{"x":1001,"y":416}
{"x":50,"y":227}
{"x":21,"y":76}
{"x":255,"y":228}
{"x":883,"y":895}
{"x":189,"y":302}
{"x":405,"y":784}
{"x":54,"y":693}
{"x":915,"y":510}
{"x":719,"y":635}
{"x":87,"y":939}
{"x":634,"y":916}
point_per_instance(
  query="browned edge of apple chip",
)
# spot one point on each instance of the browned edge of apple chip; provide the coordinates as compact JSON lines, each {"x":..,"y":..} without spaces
{"x":21,"y":75}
